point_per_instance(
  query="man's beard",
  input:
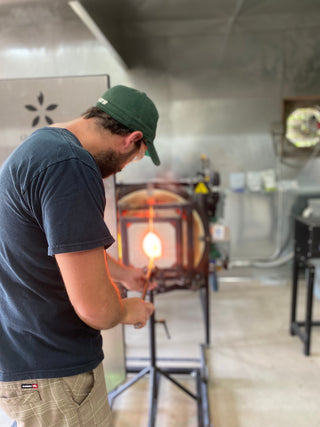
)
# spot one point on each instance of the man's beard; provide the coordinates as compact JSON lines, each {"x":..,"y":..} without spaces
{"x":111,"y":162}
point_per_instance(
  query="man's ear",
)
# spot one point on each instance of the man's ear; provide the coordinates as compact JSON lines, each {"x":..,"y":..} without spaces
{"x":133,"y":137}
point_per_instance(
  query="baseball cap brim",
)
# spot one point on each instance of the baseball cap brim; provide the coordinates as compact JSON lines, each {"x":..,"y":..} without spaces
{"x":151,"y":152}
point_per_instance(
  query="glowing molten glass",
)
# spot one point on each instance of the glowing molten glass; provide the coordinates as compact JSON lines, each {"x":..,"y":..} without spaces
{"x":151,"y":245}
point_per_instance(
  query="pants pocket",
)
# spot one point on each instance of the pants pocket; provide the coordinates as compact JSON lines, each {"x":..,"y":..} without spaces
{"x":18,"y":404}
{"x":89,"y":397}
{"x":79,"y":387}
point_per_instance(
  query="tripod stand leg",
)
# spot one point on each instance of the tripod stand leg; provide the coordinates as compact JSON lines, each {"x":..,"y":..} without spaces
{"x":153,"y":397}
{"x":207,"y":311}
{"x":199,"y":399}
{"x":204,"y":298}
{"x":154,"y":374}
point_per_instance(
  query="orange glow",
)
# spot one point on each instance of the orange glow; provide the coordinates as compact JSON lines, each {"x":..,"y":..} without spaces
{"x":151,"y":245}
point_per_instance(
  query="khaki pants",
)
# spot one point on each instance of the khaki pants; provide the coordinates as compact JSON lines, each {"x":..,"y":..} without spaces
{"x":77,"y":401}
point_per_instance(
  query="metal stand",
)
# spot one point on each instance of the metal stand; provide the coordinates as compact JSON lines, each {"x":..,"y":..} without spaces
{"x":204,"y":293}
{"x":155,"y":373}
{"x":307,"y":235}
{"x":302,"y":328}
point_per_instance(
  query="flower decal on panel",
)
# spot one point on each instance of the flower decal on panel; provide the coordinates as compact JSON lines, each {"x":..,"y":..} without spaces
{"x":40,"y":110}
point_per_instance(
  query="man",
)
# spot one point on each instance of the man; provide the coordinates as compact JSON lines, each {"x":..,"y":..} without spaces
{"x":57,"y":286}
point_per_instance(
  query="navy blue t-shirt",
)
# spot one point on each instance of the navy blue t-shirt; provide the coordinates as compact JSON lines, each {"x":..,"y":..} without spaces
{"x":52,"y":201}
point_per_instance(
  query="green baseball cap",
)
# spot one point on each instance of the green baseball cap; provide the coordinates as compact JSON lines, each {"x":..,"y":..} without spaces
{"x":134,"y":110}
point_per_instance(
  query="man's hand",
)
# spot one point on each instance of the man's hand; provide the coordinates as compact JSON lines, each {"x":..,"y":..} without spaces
{"x":135,"y":279}
{"x":132,"y":278}
{"x":136,"y":311}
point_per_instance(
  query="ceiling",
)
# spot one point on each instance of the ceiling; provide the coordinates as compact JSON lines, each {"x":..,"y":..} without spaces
{"x":138,"y":29}
{"x":141,"y":30}
{"x":215,"y":48}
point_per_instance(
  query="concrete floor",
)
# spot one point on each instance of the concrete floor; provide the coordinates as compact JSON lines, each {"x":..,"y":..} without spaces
{"x":258,"y":375}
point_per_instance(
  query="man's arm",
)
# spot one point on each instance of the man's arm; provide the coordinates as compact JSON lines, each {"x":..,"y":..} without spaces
{"x":94,"y":296}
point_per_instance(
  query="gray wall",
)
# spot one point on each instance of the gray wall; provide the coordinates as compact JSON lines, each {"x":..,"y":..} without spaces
{"x":218,"y":92}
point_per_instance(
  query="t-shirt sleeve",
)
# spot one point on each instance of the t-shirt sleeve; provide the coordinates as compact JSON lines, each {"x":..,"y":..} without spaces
{"x":71,"y":202}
